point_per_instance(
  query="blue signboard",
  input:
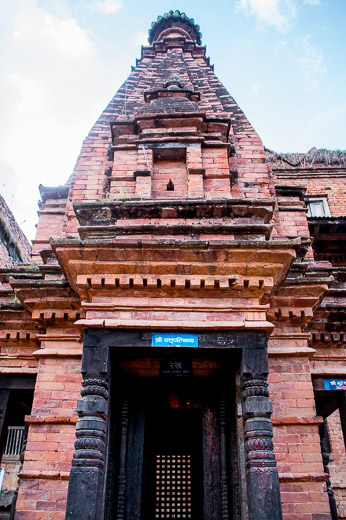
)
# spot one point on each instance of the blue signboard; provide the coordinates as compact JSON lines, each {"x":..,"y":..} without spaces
{"x":335,"y":384}
{"x":167,"y":339}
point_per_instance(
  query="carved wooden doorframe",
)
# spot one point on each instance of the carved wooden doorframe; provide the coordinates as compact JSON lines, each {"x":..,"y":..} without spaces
{"x":86,"y":496}
{"x":144,"y":407}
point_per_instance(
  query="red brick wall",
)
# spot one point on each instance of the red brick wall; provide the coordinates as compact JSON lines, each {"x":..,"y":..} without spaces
{"x":48,"y":456}
{"x":296,"y":439}
{"x":337,"y":462}
{"x":323,"y":182}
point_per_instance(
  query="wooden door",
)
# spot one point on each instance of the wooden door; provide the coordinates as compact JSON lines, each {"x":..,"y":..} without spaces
{"x":173,"y":454}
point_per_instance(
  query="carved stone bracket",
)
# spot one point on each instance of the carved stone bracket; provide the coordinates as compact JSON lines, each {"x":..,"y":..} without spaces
{"x":87,"y":474}
{"x":263,"y":479}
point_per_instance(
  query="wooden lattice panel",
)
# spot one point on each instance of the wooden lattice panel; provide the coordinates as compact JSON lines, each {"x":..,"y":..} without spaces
{"x":173,"y":487}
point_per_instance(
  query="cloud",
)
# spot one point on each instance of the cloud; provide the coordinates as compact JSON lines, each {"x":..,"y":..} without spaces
{"x":312,"y":2}
{"x":277,"y":13}
{"x":311,"y":65}
{"x":62,"y":36}
{"x":140,"y":38}
{"x":255,"y":88}
{"x":106,"y":6}
{"x":51,"y":85}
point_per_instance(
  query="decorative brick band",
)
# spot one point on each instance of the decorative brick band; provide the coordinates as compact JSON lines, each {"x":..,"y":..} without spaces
{"x":58,"y":352}
{"x":291,"y":351}
{"x":283,"y":421}
{"x":51,"y":419}
{"x":165,"y":324}
{"x":334,"y":337}
{"x":290,"y":336}
{"x":44,"y":475}
{"x":10,"y":334}
{"x":59,"y":337}
{"x":196,"y":282}
{"x":303,"y":477}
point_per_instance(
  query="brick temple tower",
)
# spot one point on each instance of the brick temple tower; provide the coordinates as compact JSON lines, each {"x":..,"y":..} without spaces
{"x":177,"y":330}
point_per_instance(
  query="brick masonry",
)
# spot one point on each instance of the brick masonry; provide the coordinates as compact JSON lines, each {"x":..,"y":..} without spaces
{"x":337,"y":462}
{"x":176,"y":217}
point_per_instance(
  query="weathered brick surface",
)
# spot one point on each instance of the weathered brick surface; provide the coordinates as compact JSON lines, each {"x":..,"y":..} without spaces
{"x":50,"y":444}
{"x":337,"y":462}
{"x":296,"y":438}
{"x":171,"y":201}
{"x":304,"y":501}
{"x":89,"y":179}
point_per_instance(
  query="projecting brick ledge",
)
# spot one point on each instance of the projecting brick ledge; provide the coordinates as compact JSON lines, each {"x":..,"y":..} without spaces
{"x":303,"y":477}
{"x":51,"y":419}
{"x":44,"y":475}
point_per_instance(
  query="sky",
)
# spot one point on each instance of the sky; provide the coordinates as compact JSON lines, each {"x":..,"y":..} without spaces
{"x":61,"y":61}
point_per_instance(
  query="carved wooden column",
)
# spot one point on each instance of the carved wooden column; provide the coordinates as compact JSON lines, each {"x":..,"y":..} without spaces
{"x":86,"y":487}
{"x":262,"y":474}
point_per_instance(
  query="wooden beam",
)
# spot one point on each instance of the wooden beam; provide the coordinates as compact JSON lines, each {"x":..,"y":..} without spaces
{"x":25,"y":382}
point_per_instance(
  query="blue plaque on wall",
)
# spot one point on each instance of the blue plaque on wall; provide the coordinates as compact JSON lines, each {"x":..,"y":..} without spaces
{"x":335,"y":384}
{"x":169,"y":339}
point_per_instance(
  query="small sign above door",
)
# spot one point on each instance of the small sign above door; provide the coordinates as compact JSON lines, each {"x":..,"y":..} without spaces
{"x":168,"y":339}
{"x":335,"y":384}
{"x":181,"y":368}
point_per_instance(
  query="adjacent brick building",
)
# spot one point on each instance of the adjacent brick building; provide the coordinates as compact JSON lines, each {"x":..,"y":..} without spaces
{"x":14,"y":246}
{"x":14,"y":250}
{"x":183,"y":316}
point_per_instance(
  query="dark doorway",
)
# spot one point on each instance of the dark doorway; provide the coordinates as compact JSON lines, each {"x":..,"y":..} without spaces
{"x":16,"y":396}
{"x":173,"y":449}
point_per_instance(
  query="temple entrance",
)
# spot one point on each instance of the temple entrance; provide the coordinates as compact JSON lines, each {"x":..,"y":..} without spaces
{"x":175,"y":453}
{"x":131,"y":388}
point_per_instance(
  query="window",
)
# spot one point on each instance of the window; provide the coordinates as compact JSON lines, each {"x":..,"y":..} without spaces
{"x":317,"y":207}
